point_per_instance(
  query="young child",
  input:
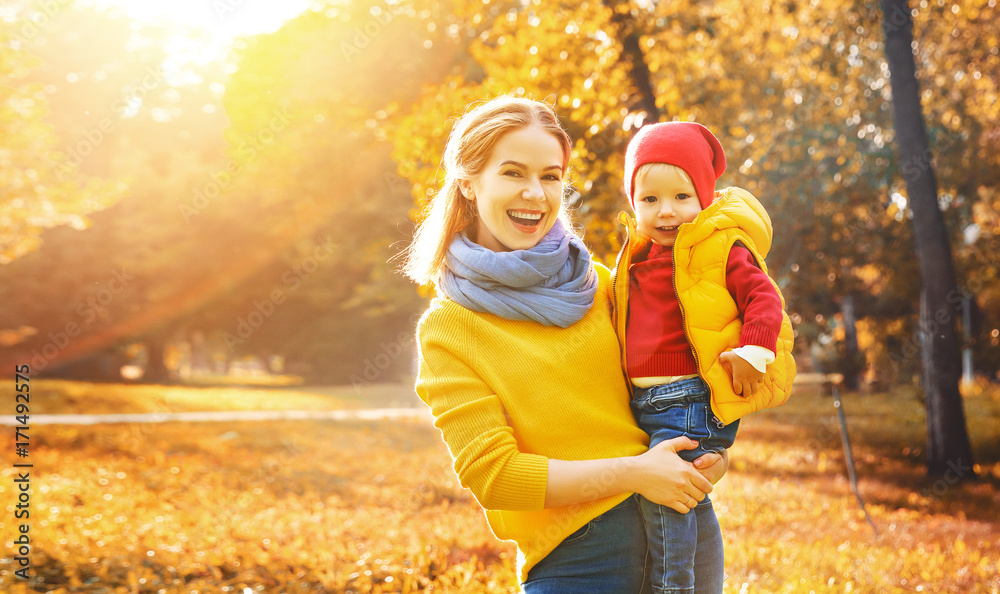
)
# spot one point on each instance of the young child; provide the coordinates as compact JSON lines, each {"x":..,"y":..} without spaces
{"x":704,"y":336}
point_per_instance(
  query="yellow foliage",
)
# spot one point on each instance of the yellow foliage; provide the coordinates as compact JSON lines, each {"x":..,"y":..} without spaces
{"x":40,"y":186}
{"x":375,"y":507}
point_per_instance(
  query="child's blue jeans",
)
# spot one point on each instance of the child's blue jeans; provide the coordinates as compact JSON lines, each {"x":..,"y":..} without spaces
{"x":686,"y":549}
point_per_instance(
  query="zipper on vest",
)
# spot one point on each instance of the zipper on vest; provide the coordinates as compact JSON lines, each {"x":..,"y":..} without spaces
{"x":614,"y":282}
{"x":619,"y":332}
{"x":687,"y":333}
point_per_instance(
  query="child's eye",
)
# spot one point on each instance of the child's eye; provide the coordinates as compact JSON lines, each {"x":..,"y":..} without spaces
{"x":683,"y":196}
{"x":648,"y":199}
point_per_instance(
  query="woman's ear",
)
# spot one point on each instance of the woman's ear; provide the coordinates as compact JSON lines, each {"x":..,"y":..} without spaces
{"x":465,"y":186}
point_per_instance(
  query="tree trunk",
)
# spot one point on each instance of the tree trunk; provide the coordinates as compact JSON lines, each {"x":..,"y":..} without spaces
{"x":199,"y":354}
{"x":949,"y":453}
{"x":102,"y":366}
{"x":156,"y":369}
{"x":851,"y":365}
{"x":622,"y":18}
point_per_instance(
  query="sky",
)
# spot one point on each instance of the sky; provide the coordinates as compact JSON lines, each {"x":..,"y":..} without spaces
{"x":226,"y":19}
{"x":221,"y":20}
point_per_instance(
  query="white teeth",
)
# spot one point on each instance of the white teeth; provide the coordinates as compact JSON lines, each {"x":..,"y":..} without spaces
{"x":525,"y":215}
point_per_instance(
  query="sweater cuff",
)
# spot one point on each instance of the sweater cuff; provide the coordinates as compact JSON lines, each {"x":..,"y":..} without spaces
{"x":523,"y":484}
{"x":759,"y":335}
{"x":755,"y":355}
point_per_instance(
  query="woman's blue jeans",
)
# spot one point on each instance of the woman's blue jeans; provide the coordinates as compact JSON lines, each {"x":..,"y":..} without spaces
{"x":607,"y":555}
{"x":685,"y":549}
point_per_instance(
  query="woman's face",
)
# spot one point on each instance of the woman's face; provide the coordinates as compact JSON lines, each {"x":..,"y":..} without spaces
{"x":519,"y":191}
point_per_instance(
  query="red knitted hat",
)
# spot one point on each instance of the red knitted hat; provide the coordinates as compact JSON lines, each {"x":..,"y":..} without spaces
{"x":688,"y":145}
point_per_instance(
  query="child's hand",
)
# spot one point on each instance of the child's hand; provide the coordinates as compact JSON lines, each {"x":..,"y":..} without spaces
{"x":745,"y":377}
{"x":713,"y":466}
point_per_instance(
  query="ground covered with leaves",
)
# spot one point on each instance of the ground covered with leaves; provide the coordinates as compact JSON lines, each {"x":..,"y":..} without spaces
{"x":301,"y":506}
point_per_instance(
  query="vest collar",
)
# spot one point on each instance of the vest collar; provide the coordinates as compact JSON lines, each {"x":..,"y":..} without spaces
{"x":733,"y":208}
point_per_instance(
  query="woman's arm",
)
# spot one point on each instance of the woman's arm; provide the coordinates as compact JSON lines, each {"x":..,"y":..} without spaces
{"x":474,"y":426}
{"x":659,"y":475}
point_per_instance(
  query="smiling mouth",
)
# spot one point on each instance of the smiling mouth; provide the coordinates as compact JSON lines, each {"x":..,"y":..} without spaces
{"x":525,"y":219}
{"x":667,"y":229}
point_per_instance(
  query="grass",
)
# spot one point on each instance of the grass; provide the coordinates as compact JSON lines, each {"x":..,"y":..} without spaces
{"x":792,"y":524}
{"x":375,"y":507}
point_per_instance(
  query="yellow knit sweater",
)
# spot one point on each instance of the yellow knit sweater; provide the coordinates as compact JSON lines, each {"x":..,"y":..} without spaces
{"x":508,"y":395}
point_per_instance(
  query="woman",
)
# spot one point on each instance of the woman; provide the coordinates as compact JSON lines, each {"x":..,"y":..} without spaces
{"x":519,"y":362}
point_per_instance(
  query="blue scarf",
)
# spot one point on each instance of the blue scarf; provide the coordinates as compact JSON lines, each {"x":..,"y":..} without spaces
{"x":553,"y":283}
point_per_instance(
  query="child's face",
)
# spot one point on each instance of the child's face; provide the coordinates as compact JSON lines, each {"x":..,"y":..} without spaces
{"x":664,"y":200}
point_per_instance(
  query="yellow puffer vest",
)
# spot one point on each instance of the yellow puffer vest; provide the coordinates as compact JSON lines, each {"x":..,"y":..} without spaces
{"x":711,"y":318}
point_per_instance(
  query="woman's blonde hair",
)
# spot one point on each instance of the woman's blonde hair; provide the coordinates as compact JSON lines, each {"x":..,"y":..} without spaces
{"x":469,"y":147}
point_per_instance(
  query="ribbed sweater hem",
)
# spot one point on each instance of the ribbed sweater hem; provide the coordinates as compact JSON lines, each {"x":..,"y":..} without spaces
{"x":660,"y":364}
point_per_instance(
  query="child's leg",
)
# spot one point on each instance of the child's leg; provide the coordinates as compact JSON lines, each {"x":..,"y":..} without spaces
{"x":709,"y":567}
{"x":685,"y":549}
{"x":664,"y":412}
{"x":672,"y":539}
{"x":712,"y":435}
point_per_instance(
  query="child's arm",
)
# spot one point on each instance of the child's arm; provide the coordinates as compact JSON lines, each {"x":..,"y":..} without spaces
{"x":760,"y":307}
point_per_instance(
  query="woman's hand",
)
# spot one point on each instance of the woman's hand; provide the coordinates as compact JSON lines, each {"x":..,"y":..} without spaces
{"x":658,"y":474}
{"x":664,"y":477}
{"x":713,"y":466}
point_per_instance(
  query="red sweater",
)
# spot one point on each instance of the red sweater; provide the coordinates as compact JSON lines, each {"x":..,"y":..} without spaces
{"x":656,"y":345}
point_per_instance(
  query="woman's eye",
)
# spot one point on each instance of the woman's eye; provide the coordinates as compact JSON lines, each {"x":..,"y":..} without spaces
{"x":552,"y":177}
{"x":513,"y":173}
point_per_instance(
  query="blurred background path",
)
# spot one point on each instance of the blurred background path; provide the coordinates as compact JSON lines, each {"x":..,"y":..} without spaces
{"x":372,"y":414}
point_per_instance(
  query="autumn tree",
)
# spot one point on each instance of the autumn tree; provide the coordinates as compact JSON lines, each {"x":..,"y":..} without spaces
{"x":326,"y":136}
{"x":327,"y":181}
{"x":799,"y":95}
{"x":263,"y":206}
{"x":38,"y":188}
{"x":626,"y":21}
{"x":116,"y":112}
{"x":948,"y":447}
